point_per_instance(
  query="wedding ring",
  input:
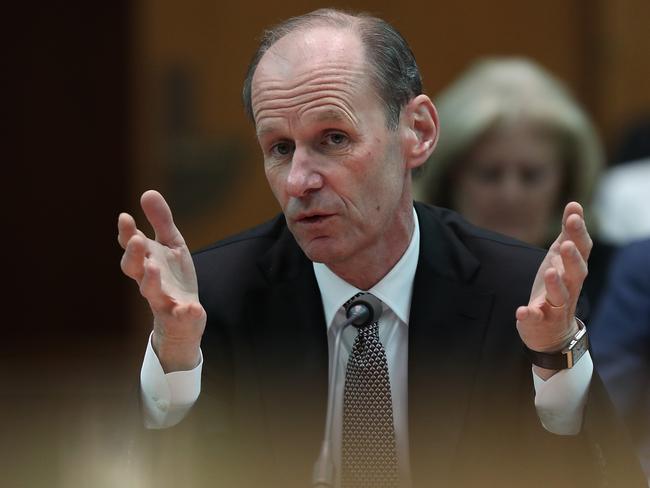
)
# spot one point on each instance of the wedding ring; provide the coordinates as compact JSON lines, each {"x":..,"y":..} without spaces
{"x":550,"y":304}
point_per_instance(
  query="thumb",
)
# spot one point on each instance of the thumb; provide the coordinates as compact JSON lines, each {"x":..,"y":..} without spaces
{"x":160,"y":217}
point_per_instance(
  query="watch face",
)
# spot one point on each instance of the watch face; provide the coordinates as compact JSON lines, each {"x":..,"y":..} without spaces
{"x":579,"y":347}
{"x":578,"y":352}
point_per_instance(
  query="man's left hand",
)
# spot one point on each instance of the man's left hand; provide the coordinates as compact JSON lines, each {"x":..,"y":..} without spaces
{"x":548,"y":323}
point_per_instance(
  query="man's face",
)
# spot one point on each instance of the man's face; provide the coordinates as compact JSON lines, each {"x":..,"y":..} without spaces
{"x":335,"y":168}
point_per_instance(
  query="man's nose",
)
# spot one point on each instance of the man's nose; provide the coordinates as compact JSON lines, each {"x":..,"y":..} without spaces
{"x":303,"y":176}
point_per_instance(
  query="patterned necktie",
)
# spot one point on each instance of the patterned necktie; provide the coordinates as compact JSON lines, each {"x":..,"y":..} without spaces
{"x":369,"y":457}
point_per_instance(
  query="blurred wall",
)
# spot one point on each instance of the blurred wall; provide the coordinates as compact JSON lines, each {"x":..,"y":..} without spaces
{"x":620,"y":67}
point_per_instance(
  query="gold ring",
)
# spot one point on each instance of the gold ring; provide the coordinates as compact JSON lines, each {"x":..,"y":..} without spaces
{"x":550,"y":304}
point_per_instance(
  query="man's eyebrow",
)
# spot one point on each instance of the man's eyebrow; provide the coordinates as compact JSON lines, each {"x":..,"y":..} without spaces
{"x":330,"y":115}
{"x":320,"y":116}
{"x":264,"y":130}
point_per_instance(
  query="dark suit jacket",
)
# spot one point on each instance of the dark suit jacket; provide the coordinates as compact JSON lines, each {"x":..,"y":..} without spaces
{"x":620,"y":334}
{"x":472,"y":420}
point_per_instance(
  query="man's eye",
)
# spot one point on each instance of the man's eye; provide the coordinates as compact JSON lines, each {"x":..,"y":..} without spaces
{"x":335,"y":138}
{"x":282,"y":149}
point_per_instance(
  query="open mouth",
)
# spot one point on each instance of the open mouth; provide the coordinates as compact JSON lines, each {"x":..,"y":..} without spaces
{"x":314,"y":219}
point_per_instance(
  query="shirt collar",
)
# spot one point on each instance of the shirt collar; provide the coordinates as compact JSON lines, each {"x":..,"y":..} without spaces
{"x":395,"y":289}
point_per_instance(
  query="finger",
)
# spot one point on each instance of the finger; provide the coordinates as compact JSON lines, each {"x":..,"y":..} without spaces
{"x":160,"y":217}
{"x":189,"y":311}
{"x":529,"y":314}
{"x":575,"y":268}
{"x":557,"y":294}
{"x":575,"y":229}
{"x":134,"y":256}
{"x":126,"y":229}
{"x":524,"y":313}
{"x":151,"y":288}
{"x":572,"y":208}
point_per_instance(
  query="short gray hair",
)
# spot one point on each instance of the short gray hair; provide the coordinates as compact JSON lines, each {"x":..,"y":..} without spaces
{"x":394,"y":73}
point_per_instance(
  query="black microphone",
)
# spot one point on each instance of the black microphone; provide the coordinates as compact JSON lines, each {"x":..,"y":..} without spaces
{"x":361,"y":311}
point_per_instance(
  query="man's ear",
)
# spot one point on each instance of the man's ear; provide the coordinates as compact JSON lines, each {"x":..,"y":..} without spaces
{"x":421,"y":130}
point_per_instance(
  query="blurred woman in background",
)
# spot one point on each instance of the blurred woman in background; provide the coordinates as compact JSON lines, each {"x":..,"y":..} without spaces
{"x":514,"y":148}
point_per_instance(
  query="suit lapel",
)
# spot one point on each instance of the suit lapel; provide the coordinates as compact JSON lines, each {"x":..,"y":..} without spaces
{"x":446,"y":330}
{"x":290,"y":343}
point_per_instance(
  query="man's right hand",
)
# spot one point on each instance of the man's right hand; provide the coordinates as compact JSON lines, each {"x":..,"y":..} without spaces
{"x":165,"y":274}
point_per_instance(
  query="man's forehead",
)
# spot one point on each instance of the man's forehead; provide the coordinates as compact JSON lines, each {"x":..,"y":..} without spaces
{"x":308,"y":65}
{"x":310,"y":48}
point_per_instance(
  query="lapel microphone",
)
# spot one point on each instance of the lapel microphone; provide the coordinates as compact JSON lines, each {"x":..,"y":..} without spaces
{"x":361,"y":311}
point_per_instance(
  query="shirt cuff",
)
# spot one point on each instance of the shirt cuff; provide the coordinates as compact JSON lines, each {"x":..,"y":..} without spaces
{"x":560,"y":400}
{"x":167,"y":398}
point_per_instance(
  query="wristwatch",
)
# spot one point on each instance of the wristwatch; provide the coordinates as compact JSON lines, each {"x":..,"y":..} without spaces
{"x":567,"y":357}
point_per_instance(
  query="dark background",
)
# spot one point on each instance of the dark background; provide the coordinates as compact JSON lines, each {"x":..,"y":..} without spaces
{"x":68,"y":366}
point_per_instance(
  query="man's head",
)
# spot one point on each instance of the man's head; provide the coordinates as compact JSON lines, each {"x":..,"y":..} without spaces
{"x":393,"y":71}
{"x":337,"y":157}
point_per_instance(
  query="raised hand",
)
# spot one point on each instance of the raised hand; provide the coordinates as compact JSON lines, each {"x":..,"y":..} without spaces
{"x":548,"y":322}
{"x":164,"y":272}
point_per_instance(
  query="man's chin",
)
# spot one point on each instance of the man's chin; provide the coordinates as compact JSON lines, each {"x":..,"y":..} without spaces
{"x":321,"y":250}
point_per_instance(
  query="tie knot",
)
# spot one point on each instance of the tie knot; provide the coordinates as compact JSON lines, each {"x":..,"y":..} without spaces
{"x":370,"y":331}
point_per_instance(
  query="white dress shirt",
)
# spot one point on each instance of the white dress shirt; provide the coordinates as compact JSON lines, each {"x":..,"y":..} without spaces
{"x":559,"y":400}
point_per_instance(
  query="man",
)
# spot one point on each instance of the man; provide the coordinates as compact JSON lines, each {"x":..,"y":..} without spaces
{"x":340,"y":116}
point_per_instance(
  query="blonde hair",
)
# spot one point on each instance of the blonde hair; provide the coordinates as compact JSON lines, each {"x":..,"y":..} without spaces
{"x":496,"y":91}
